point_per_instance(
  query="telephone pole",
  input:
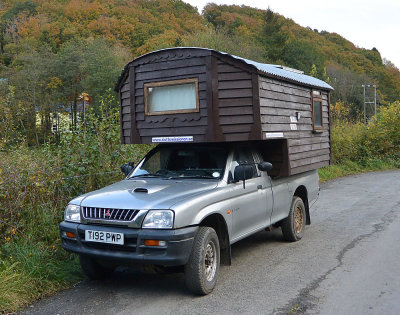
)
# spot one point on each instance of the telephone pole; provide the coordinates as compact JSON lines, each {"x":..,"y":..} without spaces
{"x":369,"y":99}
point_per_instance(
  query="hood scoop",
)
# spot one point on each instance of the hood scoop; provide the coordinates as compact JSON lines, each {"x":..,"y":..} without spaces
{"x":141,"y":190}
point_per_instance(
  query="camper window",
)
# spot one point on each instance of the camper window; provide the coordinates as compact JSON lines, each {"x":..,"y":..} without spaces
{"x":317,"y":110}
{"x":171,"y":97}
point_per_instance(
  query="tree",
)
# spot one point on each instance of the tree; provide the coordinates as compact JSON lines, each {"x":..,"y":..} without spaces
{"x":68,"y":67}
{"x":274,"y":36}
{"x":31,"y":81}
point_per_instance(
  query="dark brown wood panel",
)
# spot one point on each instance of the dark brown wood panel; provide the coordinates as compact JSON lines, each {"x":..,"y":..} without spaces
{"x":126,"y":117}
{"x":234,"y":120}
{"x":309,"y":160}
{"x":306,"y":147}
{"x":237,"y":84}
{"x":285,"y":127}
{"x":272,"y":111}
{"x":280,"y":104}
{"x":237,"y":136}
{"x":125,"y":87}
{"x":235,"y":102}
{"x":276,"y":87}
{"x":172,"y":123}
{"x":233,"y":76}
{"x":135,"y":138}
{"x":235,"y":93}
{"x":126,"y":110}
{"x":125,"y":94}
{"x":285,"y":97}
{"x":173,"y":64}
{"x":265,"y":119}
{"x":305,"y":168}
{"x":235,"y":111}
{"x":126,"y":102}
{"x":240,"y":128}
{"x":308,"y":154}
{"x":223,"y":68}
{"x":170,"y":73}
{"x":179,"y":131}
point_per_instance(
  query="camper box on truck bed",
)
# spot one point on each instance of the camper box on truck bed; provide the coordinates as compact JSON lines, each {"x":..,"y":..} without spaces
{"x":203,"y":95}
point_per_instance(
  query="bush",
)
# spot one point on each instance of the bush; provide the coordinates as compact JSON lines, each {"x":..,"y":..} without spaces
{"x":35,"y":186}
{"x":378,"y":140}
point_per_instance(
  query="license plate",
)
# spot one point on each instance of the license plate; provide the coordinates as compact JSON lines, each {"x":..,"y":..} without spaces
{"x":104,"y":237}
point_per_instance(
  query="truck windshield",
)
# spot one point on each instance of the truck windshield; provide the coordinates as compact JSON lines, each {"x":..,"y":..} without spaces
{"x":183,"y":162}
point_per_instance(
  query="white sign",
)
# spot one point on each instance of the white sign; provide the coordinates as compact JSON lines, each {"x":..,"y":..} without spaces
{"x":293,"y":126}
{"x":172,"y":139}
{"x":269,"y":135}
{"x":293,"y":119}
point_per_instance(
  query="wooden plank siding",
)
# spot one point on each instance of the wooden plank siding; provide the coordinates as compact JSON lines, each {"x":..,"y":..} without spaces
{"x":237,"y":102}
{"x":166,"y":67}
{"x":278,"y":102}
{"x":235,"y":97}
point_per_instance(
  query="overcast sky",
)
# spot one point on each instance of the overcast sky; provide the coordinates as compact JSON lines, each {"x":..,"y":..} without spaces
{"x":366,"y":23}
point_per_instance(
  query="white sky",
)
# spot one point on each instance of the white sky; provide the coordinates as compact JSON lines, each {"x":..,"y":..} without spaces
{"x":366,"y":24}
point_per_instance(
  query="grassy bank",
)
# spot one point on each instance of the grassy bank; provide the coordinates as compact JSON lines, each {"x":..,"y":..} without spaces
{"x":349,"y":167}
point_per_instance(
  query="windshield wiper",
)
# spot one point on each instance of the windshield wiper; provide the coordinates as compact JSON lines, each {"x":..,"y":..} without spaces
{"x":147,"y":175}
{"x":191,"y":177}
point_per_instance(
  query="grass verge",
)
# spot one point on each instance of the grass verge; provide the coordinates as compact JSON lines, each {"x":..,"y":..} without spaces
{"x":31,"y":271}
{"x":349,"y":167}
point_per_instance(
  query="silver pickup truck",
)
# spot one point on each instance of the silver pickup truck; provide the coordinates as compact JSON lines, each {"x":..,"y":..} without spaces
{"x":182,"y":206}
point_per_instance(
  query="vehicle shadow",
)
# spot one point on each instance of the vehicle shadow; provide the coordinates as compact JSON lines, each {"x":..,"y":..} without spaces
{"x":125,"y":278}
{"x":131,"y":286}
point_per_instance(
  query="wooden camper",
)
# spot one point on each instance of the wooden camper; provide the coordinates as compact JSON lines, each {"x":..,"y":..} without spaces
{"x":202,"y":95}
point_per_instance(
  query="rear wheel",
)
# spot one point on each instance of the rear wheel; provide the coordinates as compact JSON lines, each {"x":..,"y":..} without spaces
{"x":201,"y":271}
{"x":293,"y":226}
{"x":94,"y":270}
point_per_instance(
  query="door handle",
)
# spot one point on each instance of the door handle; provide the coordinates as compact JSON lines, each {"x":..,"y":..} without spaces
{"x":259,"y":187}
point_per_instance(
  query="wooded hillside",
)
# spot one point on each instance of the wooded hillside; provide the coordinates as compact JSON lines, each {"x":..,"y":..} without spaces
{"x":52,"y":53}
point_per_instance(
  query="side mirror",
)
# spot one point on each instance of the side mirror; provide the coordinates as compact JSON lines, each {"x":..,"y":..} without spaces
{"x":243,"y":172}
{"x":265,"y":166}
{"x":127,"y":168}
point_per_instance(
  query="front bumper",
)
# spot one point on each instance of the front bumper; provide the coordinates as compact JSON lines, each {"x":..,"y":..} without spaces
{"x":176,"y":252}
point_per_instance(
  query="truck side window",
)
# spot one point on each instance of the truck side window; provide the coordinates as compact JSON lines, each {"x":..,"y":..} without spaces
{"x":243,"y":156}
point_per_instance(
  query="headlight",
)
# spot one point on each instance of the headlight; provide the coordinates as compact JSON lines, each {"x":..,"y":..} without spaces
{"x":159,"y":219}
{"x":72,"y":213}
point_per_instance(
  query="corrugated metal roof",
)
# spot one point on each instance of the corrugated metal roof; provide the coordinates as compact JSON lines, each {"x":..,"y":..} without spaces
{"x":285,"y":73}
{"x":278,"y":71}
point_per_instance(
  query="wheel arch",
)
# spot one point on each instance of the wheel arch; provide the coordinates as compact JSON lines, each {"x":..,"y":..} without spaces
{"x":301,"y":192}
{"x":218,"y":223}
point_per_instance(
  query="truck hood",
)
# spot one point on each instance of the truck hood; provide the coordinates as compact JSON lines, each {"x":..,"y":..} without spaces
{"x":144,"y":193}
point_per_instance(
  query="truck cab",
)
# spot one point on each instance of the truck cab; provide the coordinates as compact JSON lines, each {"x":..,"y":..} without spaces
{"x":183,"y":206}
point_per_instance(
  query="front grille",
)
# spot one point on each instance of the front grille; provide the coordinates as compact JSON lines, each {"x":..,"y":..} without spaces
{"x":107,"y":214}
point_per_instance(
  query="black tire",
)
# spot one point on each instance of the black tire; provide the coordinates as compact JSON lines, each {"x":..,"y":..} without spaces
{"x":93,"y":270}
{"x":293,"y":226}
{"x":201,"y":271}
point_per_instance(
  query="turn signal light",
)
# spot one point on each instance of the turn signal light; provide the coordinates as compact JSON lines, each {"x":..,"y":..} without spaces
{"x":154,"y":243}
{"x":70,"y":234}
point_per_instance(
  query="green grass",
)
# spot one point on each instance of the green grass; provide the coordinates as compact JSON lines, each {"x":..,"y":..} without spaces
{"x":29,"y":271}
{"x":348,"y":167}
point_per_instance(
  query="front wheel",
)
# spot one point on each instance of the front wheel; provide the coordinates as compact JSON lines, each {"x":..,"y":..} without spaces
{"x":201,"y":271}
{"x":293,"y":226}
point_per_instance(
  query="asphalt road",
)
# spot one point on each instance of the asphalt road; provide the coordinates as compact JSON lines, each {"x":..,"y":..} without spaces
{"x":348,"y":262}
